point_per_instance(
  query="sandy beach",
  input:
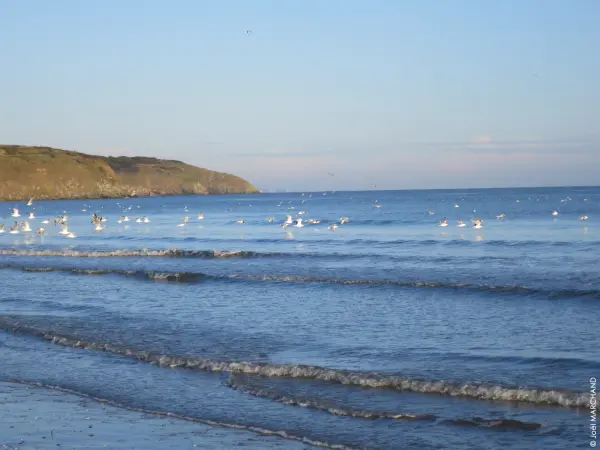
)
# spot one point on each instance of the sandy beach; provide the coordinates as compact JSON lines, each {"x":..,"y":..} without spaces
{"x":38,"y":418}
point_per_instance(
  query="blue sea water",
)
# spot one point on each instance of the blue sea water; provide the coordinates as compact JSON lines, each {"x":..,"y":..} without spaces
{"x":390,"y":332}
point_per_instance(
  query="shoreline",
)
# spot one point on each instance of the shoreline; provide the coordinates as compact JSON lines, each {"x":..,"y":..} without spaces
{"x":86,"y":197}
{"x":33,"y":417}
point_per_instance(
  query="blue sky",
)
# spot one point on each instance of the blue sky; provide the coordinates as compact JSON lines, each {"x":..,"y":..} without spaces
{"x":416,"y":94}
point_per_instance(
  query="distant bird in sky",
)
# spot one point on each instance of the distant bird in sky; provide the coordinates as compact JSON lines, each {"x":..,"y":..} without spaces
{"x":535,"y":75}
{"x":332,"y":174}
{"x":248,"y":32}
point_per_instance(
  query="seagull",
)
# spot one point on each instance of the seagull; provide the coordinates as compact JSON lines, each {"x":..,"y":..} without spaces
{"x":200,"y":216}
{"x":344,"y":220}
{"x":1,"y":228}
{"x":461,"y":224}
{"x":185,"y":220}
{"x":30,"y":202}
{"x":31,"y":215}
{"x":333,"y":226}
{"x":64,"y":229}
{"x":555,"y":213}
{"x":500,"y":216}
{"x":40,"y":231}
{"x":477,"y":223}
{"x":299,"y":223}
{"x":240,"y":221}
{"x":270,"y":219}
{"x":14,"y":229}
{"x":444,"y":222}
{"x":15,"y":213}
{"x":584,"y":218}
{"x":248,"y":32}
{"x":25,"y":226}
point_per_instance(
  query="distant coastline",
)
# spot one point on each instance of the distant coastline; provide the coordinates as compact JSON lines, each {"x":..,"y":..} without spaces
{"x":46,"y":173}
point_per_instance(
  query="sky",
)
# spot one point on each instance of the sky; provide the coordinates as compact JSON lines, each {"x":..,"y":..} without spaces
{"x":382,"y":94}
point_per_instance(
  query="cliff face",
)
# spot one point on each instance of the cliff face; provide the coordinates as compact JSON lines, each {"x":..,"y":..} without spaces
{"x":48,"y":173}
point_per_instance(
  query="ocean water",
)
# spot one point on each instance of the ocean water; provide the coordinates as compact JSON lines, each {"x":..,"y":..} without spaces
{"x":390,"y":332}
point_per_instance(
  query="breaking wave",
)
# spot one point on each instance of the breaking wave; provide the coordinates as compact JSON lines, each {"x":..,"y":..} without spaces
{"x":173,"y":253}
{"x":184,"y":277}
{"x":324,"y":406}
{"x":194,"y":277}
{"x":377,"y":380}
{"x":374,"y":415}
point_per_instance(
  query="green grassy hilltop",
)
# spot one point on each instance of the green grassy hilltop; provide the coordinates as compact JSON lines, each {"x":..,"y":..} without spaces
{"x":49,"y":173}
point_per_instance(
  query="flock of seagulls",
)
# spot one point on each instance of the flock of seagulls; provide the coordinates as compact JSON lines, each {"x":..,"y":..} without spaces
{"x":477,"y":223}
{"x":98,"y":221}
{"x":298,"y":221}
{"x":25,"y":227}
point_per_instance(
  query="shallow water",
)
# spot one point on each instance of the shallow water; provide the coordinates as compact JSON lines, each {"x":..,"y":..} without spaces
{"x":390,"y":332}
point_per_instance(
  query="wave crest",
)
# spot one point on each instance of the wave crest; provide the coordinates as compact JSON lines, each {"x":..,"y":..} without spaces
{"x":192,"y":277}
{"x":323,"y":406}
{"x":173,"y":253}
{"x":374,"y":415}
{"x":478,"y":391}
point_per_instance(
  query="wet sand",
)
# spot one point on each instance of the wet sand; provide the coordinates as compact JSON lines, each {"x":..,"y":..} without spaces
{"x":38,"y":418}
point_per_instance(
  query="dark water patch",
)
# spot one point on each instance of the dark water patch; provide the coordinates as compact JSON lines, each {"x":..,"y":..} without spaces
{"x":499,"y":424}
{"x":374,"y":380}
{"x":184,"y":277}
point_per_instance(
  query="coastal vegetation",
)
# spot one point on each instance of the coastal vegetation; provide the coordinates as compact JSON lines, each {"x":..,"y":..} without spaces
{"x":49,"y":173}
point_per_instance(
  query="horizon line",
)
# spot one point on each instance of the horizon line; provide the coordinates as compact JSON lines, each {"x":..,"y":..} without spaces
{"x":436,"y":189}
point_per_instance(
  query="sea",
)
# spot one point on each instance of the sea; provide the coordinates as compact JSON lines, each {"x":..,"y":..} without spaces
{"x":388,"y":332}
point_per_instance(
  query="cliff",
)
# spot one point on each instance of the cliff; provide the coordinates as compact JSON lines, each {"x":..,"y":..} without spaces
{"x":49,"y":173}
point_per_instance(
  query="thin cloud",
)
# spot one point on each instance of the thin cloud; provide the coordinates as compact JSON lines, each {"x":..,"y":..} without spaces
{"x":482,"y":140}
{"x":486,"y":144}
